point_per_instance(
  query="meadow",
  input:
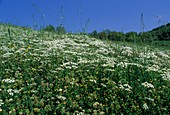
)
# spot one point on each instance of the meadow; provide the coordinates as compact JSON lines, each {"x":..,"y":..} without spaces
{"x":47,"y":73}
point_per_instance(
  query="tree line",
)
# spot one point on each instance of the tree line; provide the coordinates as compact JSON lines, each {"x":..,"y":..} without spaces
{"x":157,"y":34}
{"x":59,"y":29}
{"x":161,"y":33}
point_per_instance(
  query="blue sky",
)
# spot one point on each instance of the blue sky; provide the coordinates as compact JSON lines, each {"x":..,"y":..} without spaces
{"x":117,"y":15}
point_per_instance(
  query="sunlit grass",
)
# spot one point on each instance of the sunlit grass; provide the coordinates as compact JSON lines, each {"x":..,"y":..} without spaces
{"x":46,"y":73}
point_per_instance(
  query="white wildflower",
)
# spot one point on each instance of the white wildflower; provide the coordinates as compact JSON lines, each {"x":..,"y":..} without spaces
{"x":80,"y":113}
{"x":111,"y":70}
{"x":60,"y":89}
{"x":8,"y":80}
{"x":11,"y":91}
{"x":102,"y":113}
{"x":20,"y":50}
{"x":6,"y":55}
{"x":122,"y":64}
{"x":126,"y":87}
{"x":166,"y":76}
{"x":145,"y":106}
{"x":150,"y":99}
{"x":57,"y":102}
{"x":96,"y":104}
{"x":148,"y":55}
{"x":1,"y":102}
{"x":155,"y":68}
{"x":121,"y":86}
{"x":16,"y":91}
{"x":136,"y":64}
{"x":148,"y":85}
{"x":92,"y":80}
{"x":103,"y":84}
{"x":127,"y":51}
{"x":10,"y":99}
{"x":61,"y":97}
{"x":161,"y":53}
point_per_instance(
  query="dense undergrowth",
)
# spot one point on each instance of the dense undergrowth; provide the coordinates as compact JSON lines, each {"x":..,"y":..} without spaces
{"x":47,"y":73}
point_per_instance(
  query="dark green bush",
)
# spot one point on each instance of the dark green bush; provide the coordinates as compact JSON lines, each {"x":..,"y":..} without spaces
{"x":50,"y":28}
{"x":102,"y":35}
{"x":60,"y":29}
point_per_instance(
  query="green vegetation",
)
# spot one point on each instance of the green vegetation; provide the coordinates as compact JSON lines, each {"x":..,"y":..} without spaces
{"x":161,"y":33}
{"x":45,"y":72}
{"x":50,"y":28}
{"x":60,"y":29}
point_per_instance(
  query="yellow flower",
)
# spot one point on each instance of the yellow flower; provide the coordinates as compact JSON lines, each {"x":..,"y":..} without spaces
{"x":36,"y":110}
{"x":29,"y":46}
{"x":64,"y":102}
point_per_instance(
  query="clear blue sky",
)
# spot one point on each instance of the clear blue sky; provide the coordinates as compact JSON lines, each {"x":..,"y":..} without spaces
{"x":118,"y":15}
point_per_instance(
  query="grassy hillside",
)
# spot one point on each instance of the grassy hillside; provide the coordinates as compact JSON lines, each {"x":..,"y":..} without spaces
{"x":161,"y":33}
{"x":47,"y":73}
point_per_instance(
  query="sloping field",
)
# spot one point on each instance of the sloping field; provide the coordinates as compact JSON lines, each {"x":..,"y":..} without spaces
{"x":47,"y":73}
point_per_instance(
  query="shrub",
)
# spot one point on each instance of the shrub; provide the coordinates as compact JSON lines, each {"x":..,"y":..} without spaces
{"x":50,"y":28}
{"x":131,"y":36}
{"x":102,"y":35}
{"x":60,"y":29}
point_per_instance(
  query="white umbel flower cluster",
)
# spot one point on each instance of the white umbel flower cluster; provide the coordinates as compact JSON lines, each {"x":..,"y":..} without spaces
{"x":8,"y":80}
{"x":145,"y":106}
{"x":1,"y":102}
{"x":126,"y":87}
{"x":148,"y":85}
